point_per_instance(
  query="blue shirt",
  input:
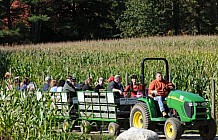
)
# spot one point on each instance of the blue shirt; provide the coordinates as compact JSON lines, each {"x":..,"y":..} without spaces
{"x":24,"y":87}
{"x":54,"y":89}
{"x":45,"y":87}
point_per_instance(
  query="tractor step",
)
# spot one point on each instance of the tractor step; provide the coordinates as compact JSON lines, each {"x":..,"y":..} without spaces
{"x":160,"y":119}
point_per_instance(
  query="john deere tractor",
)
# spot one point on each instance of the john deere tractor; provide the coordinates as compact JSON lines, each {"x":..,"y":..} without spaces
{"x":186,"y":110}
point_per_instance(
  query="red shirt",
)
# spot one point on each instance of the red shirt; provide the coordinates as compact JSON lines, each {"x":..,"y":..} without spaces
{"x":133,"y":93}
{"x":159,"y":87}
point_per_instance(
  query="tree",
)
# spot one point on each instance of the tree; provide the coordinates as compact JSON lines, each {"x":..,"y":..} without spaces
{"x":155,"y":17}
{"x":37,"y":17}
{"x":14,"y":15}
{"x":144,"y":18}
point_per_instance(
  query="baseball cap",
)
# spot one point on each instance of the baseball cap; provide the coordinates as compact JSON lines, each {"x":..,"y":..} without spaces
{"x":48,"y":78}
{"x":110,"y":79}
{"x":73,"y":78}
{"x":101,"y":79}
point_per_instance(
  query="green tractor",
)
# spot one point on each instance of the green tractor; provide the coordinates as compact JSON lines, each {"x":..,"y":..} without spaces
{"x":187,"y":111}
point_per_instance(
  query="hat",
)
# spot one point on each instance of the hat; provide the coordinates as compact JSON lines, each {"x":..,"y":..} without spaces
{"x":101,"y":79}
{"x":111,"y":79}
{"x":73,"y":78}
{"x":48,"y":78}
{"x":133,"y":76}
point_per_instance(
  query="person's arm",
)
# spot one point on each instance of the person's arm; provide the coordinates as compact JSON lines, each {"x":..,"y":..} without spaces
{"x":171,"y":85}
{"x":113,"y":89}
{"x":84,"y":87}
{"x":151,"y":89}
{"x":117,"y":90}
{"x":96,"y":88}
{"x":126,"y":90}
{"x":168,"y":86}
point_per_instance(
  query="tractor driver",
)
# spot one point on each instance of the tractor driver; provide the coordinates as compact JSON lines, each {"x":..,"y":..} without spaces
{"x":159,"y":90}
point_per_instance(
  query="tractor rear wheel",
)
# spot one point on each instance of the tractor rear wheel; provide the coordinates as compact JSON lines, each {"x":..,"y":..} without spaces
{"x":209,"y":131}
{"x":173,"y":129}
{"x":114,"y":129}
{"x":140,"y":117}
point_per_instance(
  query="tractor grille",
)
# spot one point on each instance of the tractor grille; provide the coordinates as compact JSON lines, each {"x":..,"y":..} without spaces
{"x":201,"y":112}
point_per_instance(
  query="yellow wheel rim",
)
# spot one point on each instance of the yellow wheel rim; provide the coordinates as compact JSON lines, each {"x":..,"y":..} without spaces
{"x":111,"y":130}
{"x":169,"y":130}
{"x":137,"y":120}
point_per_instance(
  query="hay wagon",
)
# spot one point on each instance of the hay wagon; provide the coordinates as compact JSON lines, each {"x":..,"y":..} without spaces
{"x":102,"y":110}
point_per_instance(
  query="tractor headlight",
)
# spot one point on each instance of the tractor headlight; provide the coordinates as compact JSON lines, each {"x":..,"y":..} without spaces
{"x":204,"y":104}
{"x":197,"y":104}
{"x":192,"y":104}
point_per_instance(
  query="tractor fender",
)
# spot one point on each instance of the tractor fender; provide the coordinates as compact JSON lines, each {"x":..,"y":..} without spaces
{"x":151,"y":106}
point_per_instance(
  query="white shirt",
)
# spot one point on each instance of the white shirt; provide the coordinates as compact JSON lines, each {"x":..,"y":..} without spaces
{"x":59,"y":89}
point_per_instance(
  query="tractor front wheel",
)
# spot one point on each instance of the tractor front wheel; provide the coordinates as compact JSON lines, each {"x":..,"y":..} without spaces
{"x":209,"y":131}
{"x":114,"y":129}
{"x":173,"y":129}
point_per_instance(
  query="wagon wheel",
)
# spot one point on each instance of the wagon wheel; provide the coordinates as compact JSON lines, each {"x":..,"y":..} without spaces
{"x":113,"y":129}
{"x":65,"y":126}
{"x":85,"y":127}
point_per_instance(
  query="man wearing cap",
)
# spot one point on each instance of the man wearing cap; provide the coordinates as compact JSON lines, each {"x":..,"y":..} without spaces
{"x":69,"y":86}
{"x":76,"y":85}
{"x":47,"y":84}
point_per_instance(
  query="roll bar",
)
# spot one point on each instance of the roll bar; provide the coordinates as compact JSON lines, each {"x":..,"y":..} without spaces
{"x":143,"y":68}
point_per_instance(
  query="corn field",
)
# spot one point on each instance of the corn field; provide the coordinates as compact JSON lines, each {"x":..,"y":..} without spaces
{"x":193,"y":64}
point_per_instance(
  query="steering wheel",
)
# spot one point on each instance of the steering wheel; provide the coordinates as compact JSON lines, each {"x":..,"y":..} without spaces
{"x":167,"y":88}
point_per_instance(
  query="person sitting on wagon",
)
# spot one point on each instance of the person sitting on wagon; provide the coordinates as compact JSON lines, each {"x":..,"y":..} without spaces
{"x":17,"y":83}
{"x":60,"y":85}
{"x":116,"y":86}
{"x":133,"y":88}
{"x":88,"y":84}
{"x":53,"y":86}
{"x":46,"y":86}
{"x":159,"y":90}
{"x":69,"y":87}
{"x":75,"y":84}
{"x":100,"y":85}
{"x":24,"y":84}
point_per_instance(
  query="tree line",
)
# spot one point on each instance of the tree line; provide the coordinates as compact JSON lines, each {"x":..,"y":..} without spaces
{"x":33,"y":21}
